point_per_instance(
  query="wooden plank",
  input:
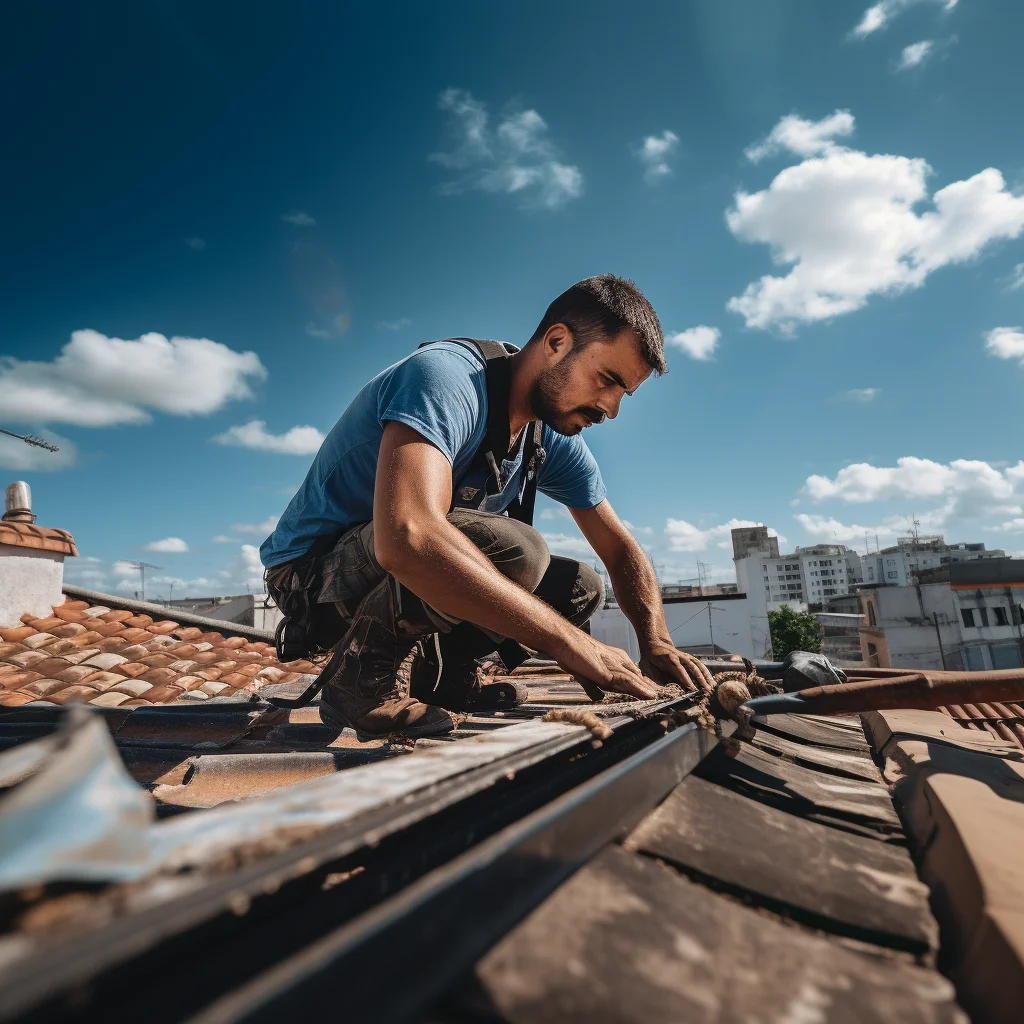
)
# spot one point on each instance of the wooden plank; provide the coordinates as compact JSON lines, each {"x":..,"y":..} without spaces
{"x":627,"y":939}
{"x":814,"y":729}
{"x":796,"y":789}
{"x":844,"y":763}
{"x":819,"y":875}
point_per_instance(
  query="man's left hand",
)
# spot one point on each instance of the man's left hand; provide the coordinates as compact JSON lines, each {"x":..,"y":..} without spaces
{"x":663,"y":662}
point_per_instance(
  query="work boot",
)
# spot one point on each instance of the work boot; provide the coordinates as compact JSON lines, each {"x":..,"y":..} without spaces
{"x":361,"y":688}
{"x":445,"y":674}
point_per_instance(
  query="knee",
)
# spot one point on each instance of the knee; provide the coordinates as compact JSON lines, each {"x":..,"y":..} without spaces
{"x":531,"y":561}
{"x":516,"y":550}
{"x":591,"y":588}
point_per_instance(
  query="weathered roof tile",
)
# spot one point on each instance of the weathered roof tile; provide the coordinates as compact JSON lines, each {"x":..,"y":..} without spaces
{"x":42,"y":538}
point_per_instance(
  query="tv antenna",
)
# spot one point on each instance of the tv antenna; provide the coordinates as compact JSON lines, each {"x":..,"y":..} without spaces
{"x":142,"y":567}
{"x":36,"y":442}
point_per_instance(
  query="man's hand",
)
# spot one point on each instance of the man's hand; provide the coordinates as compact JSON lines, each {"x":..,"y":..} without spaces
{"x":598,"y":667}
{"x":663,"y":662}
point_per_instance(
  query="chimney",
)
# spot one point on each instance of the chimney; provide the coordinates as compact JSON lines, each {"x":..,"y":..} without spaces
{"x":31,"y":560}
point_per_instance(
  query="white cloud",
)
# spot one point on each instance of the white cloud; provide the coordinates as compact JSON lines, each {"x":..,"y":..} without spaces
{"x":254,"y":434}
{"x":570,"y":547}
{"x":299,"y":219}
{"x":845,"y":222}
{"x":863,"y":395}
{"x":318,"y":332}
{"x":831,"y":531}
{"x":967,"y":487}
{"x":223,"y":538}
{"x":805,"y":138}
{"x":915,"y":54}
{"x":124,"y":570}
{"x":654,"y":154}
{"x":98,"y":381}
{"x":697,"y":342}
{"x":515,"y":158}
{"x":169,"y":545}
{"x":27,"y":458}
{"x":1016,"y":280}
{"x":195,"y":243}
{"x":683,"y":536}
{"x":394,"y":325}
{"x":261,"y":529}
{"x":556,"y":513}
{"x":880,"y":14}
{"x":1006,"y":343}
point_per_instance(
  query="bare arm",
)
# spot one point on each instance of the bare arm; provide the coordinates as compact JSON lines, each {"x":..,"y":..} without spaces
{"x":414,"y":541}
{"x":639,"y":596}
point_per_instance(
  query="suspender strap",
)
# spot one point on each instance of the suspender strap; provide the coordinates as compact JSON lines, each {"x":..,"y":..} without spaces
{"x":495,"y":445}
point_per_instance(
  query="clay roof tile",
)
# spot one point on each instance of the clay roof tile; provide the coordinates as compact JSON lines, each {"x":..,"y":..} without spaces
{"x":42,"y":538}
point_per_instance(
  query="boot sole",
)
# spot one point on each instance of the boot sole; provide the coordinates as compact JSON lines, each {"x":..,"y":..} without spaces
{"x":335,"y":719}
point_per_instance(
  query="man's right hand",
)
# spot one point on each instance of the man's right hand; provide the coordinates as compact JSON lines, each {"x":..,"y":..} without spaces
{"x":598,"y":667}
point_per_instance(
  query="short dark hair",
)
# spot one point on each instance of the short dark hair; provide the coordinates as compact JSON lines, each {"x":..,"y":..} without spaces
{"x":603,"y":306}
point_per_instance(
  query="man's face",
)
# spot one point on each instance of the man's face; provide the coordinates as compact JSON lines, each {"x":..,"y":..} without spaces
{"x":580,"y":387}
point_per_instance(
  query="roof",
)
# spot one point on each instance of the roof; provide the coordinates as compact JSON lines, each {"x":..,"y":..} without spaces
{"x":102,"y":655}
{"x":41,"y":538}
{"x":1003,"y":721}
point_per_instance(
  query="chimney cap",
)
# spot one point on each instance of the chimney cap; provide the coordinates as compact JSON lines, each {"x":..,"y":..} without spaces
{"x":18,"y":504}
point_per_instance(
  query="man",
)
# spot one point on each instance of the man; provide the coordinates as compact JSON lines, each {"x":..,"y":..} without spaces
{"x":397,"y":544}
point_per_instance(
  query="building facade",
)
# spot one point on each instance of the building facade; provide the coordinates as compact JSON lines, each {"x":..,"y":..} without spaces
{"x":963,"y":616}
{"x":902,"y":564}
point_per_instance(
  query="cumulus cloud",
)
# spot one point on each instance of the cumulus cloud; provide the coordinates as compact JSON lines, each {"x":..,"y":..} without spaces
{"x":1006,"y":343}
{"x":394,"y":325}
{"x":570,"y":547}
{"x":195,"y":243}
{"x":879,"y":15}
{"x":828,"y":530}
{"x":683,"y":536}
{"x":654,"y":155}
{"x":846,"y":224}
{"x":1016,"y":279}
{"x":263,"y":529}
{"x":863,"y":395}
{"x":697,"y":342}
{"x":169,"y":546}
{"x":794,"y":134}
{"x":299,"y":219}
{"x":254,"y":434}
{"x":556,"y":513}
{"x":516,"y":158}
{"x":223,"y":538}
{"x":26,"y":458}
{"x":915,"y":54}
{"x":967,"y":488}
{"x":98,"y":381}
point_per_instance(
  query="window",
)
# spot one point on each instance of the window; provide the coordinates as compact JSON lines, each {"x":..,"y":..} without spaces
{"x":967,"y":614}
{"x":984,"y":616}
{"x":1000,"y":614}
{"x":892,"y":575}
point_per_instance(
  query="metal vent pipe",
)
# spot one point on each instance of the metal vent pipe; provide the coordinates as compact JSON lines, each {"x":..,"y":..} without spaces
{"x":18,"y":506}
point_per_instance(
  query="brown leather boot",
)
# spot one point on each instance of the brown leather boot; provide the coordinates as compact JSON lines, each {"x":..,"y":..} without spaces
{"x":361,"y":689}
{"x":445,"y":673}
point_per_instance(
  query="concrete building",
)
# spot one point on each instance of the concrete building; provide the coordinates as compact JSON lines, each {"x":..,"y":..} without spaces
{"x":901,"y":564}
{"x":963,"y":615}
{"x":810,"y":575}
{"x":702,"y":624}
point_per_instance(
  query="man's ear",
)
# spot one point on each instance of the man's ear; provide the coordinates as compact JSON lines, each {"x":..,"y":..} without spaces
{"x":557,"y":342}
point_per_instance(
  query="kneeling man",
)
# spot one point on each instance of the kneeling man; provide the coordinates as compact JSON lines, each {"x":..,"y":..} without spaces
{"x":410,"y":537}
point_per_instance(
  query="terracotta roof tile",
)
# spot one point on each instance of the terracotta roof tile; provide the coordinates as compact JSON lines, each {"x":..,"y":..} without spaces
{"x":113,"y":657}
{"x":1004,"y":721}
{"x":42,"y":538}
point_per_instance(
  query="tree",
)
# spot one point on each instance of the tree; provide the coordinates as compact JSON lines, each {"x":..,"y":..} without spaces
{"x":792,"y":631}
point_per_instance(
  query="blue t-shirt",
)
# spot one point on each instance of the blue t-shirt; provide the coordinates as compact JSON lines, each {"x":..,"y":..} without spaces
{"x":441,"y":392}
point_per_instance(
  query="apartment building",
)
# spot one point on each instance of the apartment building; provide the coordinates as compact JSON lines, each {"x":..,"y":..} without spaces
{"x":901,"y":564}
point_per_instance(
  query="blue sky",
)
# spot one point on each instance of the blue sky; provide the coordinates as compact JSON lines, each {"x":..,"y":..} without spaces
{"x":222,"y":219}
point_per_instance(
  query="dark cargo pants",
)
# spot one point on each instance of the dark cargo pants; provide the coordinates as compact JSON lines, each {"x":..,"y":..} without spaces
{"x":350,"y":570}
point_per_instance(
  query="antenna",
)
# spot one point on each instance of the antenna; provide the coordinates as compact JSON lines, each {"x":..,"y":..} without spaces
{"x":36,"y":442}
{"x":142,"y":567}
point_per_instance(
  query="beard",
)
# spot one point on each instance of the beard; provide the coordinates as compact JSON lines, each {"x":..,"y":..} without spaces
{"x":546,"y":401}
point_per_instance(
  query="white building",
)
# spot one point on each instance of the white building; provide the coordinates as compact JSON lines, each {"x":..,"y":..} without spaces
{"x":968,"y":618}
{"x":900,"y":565}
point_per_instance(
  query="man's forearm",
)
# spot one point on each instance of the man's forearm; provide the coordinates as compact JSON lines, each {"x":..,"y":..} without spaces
{"x":448,"y":571}
{"x":637,"y":591}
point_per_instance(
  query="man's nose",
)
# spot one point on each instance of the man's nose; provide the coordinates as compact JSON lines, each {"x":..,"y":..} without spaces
{"x":610,"y":406}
